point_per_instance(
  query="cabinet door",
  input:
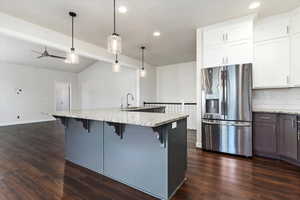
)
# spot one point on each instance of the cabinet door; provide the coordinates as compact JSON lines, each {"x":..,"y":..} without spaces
{"x":265,"y":135}
{"x":271,"y":64}
{"x":295,"y":22}
{"x":240,"y":53}
{"x":295,"y":60}
{"x":288,"y":143}
{"x":240,"y":31}
{"x":272,"y":28}
{"x":213,"y":37}
{"x":213,"y":56}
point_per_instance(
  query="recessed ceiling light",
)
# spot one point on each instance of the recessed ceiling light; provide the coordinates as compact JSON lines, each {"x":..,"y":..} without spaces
{"x":122,"y":9}
{"x":156,"y":33}
{"x":254,"y":5}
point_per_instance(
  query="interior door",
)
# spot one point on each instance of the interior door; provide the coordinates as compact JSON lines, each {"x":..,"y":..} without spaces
{"x":238,"y":89}
{"x":62,"y":96}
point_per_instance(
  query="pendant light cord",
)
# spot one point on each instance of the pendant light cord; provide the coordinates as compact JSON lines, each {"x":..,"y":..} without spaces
{"x":143,"y":48}
{"x":72,"y":32}
{"x":114,"y":16}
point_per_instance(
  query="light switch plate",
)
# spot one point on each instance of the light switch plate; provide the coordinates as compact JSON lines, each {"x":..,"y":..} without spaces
{"x":174,"y":125}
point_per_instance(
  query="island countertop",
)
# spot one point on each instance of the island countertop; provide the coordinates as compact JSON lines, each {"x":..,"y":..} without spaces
{"x":116,"y":115}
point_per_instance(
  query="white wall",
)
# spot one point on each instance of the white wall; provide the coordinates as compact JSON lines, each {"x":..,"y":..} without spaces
{"x":177,"y":83}
{"x":147,"y":86}
{"x":37,"y":96}
{"x":100,"y":87}
{"x":277,"y":99}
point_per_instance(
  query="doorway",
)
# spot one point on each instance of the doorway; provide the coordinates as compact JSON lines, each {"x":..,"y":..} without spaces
{"x":62,"y":96}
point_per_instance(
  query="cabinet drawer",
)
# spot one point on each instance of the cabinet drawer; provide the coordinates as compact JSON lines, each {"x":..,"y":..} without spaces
{"x":265,"y":117}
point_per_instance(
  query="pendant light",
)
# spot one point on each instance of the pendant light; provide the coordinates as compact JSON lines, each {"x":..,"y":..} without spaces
{"x":72,"y":57}
{"x":143,"y":72}
{"x":114,"y":42}
{"x":116,"y":67}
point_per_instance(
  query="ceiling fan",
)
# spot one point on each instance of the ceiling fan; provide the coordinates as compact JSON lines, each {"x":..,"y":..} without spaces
{"x":45,"y":53}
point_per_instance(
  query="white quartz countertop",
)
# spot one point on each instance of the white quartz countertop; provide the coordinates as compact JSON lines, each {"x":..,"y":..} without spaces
{"x":124,"y":117}
{"x":277,"y":110}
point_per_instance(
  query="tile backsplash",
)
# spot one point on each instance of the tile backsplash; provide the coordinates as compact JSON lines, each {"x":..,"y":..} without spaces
{"x":277,"y":99}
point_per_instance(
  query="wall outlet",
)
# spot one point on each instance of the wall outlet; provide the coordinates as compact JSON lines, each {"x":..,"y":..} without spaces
{"x":174,"y":125}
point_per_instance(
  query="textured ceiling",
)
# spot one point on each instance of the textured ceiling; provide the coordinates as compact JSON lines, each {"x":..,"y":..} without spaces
{"x":176,"y":19}
{"x":20,"y":52}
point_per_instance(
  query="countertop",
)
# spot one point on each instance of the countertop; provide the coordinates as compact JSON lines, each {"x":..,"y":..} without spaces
{"x":277,"y":110}
{"x":116,"y":115}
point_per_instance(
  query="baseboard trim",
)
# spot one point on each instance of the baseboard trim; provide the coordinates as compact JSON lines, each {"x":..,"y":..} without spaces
{"x":26,"y":122}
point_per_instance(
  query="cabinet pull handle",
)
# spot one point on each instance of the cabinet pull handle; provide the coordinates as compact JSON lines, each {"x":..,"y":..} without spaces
{"x":287,"y":29}
{"x":294,"y":124}
{"x":226,"y":60}
{"x":265,"y":118}
{"x":298,"y":136}
{"x":287,"y":79}
{"x":226,"y":36}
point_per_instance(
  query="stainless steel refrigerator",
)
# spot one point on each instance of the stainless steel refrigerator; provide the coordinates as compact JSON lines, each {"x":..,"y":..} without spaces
{"x":227,"y":109}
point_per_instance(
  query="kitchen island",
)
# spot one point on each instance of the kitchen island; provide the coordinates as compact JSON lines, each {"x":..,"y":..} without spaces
{"x":144,"y":150}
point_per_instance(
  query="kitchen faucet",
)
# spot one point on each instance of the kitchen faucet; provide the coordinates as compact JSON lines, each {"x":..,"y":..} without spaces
{"x":132,"y":98}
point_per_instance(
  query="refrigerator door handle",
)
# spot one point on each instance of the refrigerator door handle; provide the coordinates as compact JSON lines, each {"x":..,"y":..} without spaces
{"x":227,"y":123}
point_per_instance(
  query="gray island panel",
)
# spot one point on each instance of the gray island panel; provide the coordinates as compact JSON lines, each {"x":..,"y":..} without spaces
{"x":82,"y":147}
{"x":137,"y":160}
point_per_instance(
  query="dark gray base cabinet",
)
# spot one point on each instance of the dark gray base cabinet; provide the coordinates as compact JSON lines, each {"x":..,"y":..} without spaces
{"x":265,"y":135}
{"x":275,"y":136}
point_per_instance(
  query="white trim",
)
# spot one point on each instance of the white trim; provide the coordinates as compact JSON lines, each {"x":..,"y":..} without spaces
{"x":26,"y":122}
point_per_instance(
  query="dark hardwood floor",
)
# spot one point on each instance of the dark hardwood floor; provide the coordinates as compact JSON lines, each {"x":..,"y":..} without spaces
{"x":32,"y":167}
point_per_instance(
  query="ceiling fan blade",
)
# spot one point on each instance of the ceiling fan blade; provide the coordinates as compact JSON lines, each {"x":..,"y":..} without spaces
{"x":59,"y":57}
{"x":37,"y":52}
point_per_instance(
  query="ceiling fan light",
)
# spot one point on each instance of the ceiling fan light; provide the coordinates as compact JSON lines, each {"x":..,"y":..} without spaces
{"x":72,"y":57}
{"x":114,"y":44}
{"x":143,"y":73}
{"x":116,"y":67}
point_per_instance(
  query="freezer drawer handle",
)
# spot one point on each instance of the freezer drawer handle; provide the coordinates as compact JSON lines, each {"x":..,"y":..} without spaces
{"x":228,"y":124}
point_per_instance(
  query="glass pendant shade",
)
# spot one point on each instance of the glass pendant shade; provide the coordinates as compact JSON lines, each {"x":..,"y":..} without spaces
{"x":114,"y":44}
{"x":116,"y":67}
{"x":72,"y":57}
{"x":143,"y":73}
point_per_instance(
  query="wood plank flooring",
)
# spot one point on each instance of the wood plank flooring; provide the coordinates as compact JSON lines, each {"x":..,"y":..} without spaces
{"x":32,"y":167}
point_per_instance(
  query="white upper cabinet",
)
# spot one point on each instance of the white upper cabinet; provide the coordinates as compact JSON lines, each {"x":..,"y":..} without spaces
{"x":239,"y":52}
{"x":295,"y":60}
{"x":295,"y":22}
{"x":271,"y":64}
{"x":239,"y":31}
{"x":213,"y":56}
{"x":228,"y":43}
{"x":295,"y":48}
{"x":213,"y":37}
{"x":272,"y":28}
